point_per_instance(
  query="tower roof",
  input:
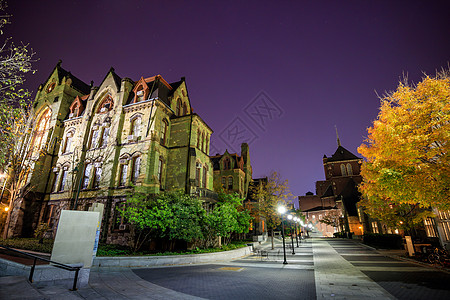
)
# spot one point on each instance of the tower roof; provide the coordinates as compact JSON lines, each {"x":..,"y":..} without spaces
{"x":342,"y":154}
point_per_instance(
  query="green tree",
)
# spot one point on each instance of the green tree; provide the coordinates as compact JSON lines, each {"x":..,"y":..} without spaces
{"x":271,"y":194}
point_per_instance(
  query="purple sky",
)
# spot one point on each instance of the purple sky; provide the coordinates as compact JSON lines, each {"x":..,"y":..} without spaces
{"x":316,"y":63}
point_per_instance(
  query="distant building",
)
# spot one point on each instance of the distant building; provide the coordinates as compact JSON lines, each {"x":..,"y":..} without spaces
{"x":233,"y":173}
{"x":96,"y":144}
{"x":338,"y":192}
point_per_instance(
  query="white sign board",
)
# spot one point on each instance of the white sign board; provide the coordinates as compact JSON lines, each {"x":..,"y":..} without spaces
{"x":75,"y":237}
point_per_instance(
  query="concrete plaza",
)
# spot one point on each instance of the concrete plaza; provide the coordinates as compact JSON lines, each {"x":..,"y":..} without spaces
{"x":319,"y":269}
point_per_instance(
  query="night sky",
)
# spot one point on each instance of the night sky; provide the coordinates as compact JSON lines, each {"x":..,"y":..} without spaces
{"x":278,"y":74}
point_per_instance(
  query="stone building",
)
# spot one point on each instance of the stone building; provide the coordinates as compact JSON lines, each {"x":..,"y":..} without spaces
{"x":233,"y":173}
{"x":96,"y":144}
{"x":339,"y":191}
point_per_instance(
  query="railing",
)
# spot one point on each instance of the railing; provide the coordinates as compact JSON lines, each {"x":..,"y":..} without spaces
{"x":206,"y":194}
{"x":54,"y":264}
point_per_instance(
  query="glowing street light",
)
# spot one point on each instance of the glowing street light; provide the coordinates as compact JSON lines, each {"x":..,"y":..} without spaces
{"x":282,"y":211}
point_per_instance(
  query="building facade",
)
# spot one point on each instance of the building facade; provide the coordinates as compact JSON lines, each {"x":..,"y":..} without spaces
{"x":98,"y":144}
{"x":338,"y":192}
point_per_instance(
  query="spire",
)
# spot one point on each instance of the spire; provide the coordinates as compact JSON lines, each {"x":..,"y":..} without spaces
{"x":337,"y":136}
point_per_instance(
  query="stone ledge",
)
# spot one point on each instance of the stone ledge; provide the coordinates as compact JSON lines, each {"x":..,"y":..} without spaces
{"x":169,"y":260}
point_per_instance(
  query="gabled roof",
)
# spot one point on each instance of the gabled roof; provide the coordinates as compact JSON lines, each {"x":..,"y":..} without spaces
{"x":216,"y":160}
{"x":329,"y":192}
{"x":342,"y":154}
{"x":116,"y":78}
{"x":76,"y":83}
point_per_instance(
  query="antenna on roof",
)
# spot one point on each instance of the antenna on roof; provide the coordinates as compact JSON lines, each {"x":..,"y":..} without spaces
{"x":337,"y":136}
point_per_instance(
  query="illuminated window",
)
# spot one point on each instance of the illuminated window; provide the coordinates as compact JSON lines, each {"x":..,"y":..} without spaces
{"x":429,"y":227}
{"x":230,"y":183}
{"x":94,"y":138}
{"x":106,"y":105}
{"x":349,"y":169}
{"x":41,"y":131}
{"x":375,"y":227}
{"x":105,"y":135}
{"x":343,"y":170}
{"x":136,"y":127}
{"x":123,"y":174}
{"x":68,"y":143}
{"x":97,"y":175}
{"x":62,"y":187}
{"x":87,"y":175}
{"x":136,"y":169}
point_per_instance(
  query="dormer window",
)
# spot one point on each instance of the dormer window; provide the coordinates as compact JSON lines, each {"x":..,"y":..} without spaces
{"x":140,"y":94}
{"x":226,"y":163}
{"x":106,"y":105}
{"x":76,"y":108}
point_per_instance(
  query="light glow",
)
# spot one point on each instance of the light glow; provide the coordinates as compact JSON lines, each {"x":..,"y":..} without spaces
{"x":281,"y":209}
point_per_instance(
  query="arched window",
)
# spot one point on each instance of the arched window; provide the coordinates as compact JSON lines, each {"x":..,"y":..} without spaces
{"x":136,"y":127}
{"x":106,"y":105}
{"x":95,"y":134}
{"x":203,"y":142}
{"x":64,"y":173}
{"x":87,"y":175}
{"x":178,"y":111}
{"x":226,"y":163}
{"x":68,"y":142}
{"x":184,"y":109}
{"x":163,"y":132}
{"x":230,"y":183}
{"x":204,"y":177}
{"x":136,"y":169}
{"x":198,"y":138}
{"x":105,"y":136}
{"x":97,"y":175}
{"x":343,"y":170}
{"x":349,"y":169}
{"x":123,"y":174}
{"x":41,"y":131}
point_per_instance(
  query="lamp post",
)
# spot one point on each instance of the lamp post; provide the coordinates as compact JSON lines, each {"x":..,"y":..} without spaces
{"x":292,"y":238}
{"x":282,"y":210}
{"x":296,"y":229}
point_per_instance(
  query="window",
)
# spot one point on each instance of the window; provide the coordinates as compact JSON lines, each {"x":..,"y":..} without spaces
{"x":349,"y":169}
{"x":136,"y":169}
{"x":207,"y":144}
{"x":105,"y":135}
{"x":63,"y":180}
{"x":204,"y":177}
{"x":97,"y":175}
{"x":224,"y":182}
{"x":178,"y":110}
{"x":203,"y":142}
{"x":55,"y":182}
{"x":68,"y":143}
{"x":136,"y":127}
{"x":106,"y":105}
{"x":184,"y":109}
{"x":230,"y":183}
{"x":226,"y":163}
{"x":444,"y":217}
{"x":163,"y":132}
{"x":343,"y":170}
{"x":160,"y":169}
{"x":50,"y":215}
{"x":140,"y":94}
{"x":87,"y":174}
{"x":429,"y":227}
{"x":198,"y":139}
{"x":41,"y":131}
{"x":375,"y":227}
{"x":197,"y":177}
{"x":76,"y":109}
{"x":123,"y":174}
{"x":94,"y":138}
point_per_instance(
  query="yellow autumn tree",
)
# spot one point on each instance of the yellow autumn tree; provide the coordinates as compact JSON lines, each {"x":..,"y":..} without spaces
{"x":407,"y":152}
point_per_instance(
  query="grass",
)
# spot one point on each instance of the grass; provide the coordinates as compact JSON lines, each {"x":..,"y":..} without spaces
{"x":32,"y":244}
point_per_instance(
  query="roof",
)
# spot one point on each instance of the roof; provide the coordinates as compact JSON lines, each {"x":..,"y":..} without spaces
{"x":76,"y":83}
{"x":319,"y":208}
{"x":342,"y":154}
{"x":216,"y":160}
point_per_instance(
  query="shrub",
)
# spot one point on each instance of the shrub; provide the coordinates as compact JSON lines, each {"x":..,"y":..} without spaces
{"x":29,"y":244}
{"x":384,"y":241}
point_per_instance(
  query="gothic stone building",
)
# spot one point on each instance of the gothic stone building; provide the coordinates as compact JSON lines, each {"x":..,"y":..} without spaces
{"x":233,"y":173}
{"x":96,"y":144}
{"x":337,"y":193}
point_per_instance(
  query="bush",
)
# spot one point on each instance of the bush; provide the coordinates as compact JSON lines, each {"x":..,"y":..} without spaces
{"x":384,"y":241}
{"x":343,"y":235}
{"x":29,"y":244}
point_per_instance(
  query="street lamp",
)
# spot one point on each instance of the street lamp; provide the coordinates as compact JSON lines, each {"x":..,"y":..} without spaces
{"x":290,"y":217}
{"x":282,"y":210}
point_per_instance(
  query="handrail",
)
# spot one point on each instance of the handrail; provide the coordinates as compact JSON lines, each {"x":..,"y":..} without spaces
{"x":54,"y":264}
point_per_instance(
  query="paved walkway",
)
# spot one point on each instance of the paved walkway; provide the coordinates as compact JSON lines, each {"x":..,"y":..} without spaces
{"x":319,"y":269}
